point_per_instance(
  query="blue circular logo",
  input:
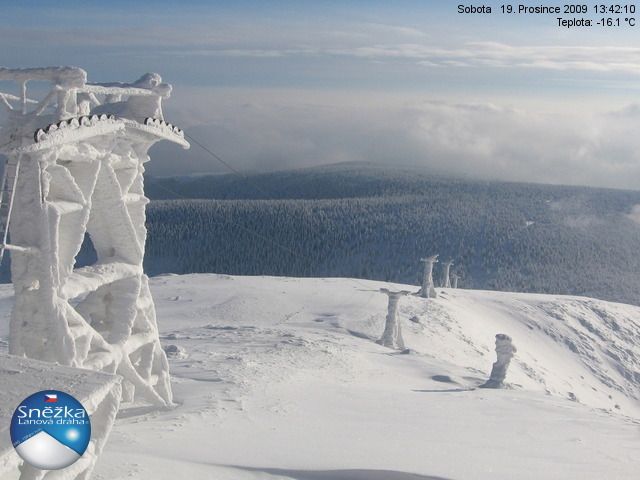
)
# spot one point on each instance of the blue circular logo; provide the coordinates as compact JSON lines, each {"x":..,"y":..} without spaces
{"x":50,"y":430}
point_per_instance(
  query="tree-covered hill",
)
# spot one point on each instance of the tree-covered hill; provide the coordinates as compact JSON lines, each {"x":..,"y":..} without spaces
{"x":374,"y":222}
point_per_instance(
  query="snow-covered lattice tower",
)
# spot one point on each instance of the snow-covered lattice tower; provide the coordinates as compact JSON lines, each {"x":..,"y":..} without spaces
{"x":75,"y":163}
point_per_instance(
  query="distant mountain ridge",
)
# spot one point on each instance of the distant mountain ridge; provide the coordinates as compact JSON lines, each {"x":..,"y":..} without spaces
{"x":340,"y":180}
{"x":367,"y":221}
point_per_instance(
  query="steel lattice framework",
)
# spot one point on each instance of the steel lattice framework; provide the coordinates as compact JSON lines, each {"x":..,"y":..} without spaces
{"x":75,"y":164}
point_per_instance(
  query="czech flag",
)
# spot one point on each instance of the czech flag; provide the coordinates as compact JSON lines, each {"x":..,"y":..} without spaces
{"x":50,"y":398}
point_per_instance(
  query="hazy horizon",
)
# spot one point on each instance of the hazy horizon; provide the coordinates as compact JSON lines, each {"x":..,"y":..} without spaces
{"x":287,"y":84}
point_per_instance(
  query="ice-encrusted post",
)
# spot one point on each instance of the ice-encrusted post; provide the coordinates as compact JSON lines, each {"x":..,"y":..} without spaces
{"x":392,"y":335}
{"x":446,"y":278}
{"x":504,"y":351}
{"x":74,"y":173}
{"x":428,"y":289}
{"x":454,"y":277}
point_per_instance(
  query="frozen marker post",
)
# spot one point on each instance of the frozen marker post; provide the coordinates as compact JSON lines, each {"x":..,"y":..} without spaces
{"x":454,"y":277}
{"x":504,"y":351}
{"x":74,"y":174}
{"x":428,"y":289}
{"x":392,"y":335}
{"x":446,"y":279}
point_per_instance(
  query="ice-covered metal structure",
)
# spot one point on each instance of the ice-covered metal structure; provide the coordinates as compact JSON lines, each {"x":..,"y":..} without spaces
{"x":392,"y":335}
{"x":428,"y":289}
{"x":505,"y":350}
{"x":74,"y":173}
{"x":446,"y":277}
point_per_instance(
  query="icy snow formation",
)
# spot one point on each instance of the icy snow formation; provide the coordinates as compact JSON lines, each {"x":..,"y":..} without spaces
{"x":446,"y":278}
{"x":505,"y":351}
{"x":428,"y":290}
{"x":392,"y":335}
{"x":282,"y":379}
{"x":75,"y":167}
{"x":98,"y":392}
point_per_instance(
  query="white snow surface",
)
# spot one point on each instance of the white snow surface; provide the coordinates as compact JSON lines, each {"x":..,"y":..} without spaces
{"x":281,"y":378}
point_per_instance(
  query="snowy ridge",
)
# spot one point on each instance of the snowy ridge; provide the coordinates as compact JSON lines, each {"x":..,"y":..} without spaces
{"x":567,"y":346}
{"x":281,"y":378}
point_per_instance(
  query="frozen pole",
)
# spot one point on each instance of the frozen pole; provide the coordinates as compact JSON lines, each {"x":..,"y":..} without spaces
{"x":455,"y":278}
{"x":428,"y":289}
{"x":446,"y":283}
{"x":505,"y":351}
{"x":392,"y":336}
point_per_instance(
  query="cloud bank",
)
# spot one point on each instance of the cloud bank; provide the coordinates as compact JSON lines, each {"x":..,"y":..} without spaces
{"x":278,"y":130}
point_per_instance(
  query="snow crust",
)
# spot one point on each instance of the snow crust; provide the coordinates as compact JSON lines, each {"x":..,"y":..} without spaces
{"x":282,"y":378}
{"x":283,"y":375}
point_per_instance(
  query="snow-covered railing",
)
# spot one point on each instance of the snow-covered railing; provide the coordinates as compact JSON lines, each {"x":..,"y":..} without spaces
{"x":71,"y":104}
{"x":55,"y":75}
{"x":71,"y":95}
{"x":115,"y":89}
{"x":63,"y":79}
{"x":6,"y":99}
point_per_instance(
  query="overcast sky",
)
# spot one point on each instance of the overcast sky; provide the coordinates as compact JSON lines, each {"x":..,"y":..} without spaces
{"x":285,"y":84}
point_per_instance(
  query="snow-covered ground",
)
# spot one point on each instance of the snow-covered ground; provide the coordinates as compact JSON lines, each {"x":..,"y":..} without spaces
{"x":282,"y":378}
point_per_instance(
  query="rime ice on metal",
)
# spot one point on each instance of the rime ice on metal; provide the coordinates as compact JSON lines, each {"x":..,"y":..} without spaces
{"x":428,"y":289}
{"x":446,"y":278}
{"x":504,"y":351}
{"x":392,"y":335}
{"x":75,"y":163}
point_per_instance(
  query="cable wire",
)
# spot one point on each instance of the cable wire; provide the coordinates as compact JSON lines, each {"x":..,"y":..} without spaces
{"x":217,"y":157}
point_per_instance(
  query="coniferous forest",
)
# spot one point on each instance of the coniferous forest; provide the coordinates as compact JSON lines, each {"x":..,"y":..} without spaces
{"x":372,"y":222}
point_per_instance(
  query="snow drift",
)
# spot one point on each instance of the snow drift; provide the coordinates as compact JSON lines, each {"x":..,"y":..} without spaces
{"x":282,"y":378}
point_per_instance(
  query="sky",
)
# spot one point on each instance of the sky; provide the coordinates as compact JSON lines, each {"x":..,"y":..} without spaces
{"x":273,"y":85}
